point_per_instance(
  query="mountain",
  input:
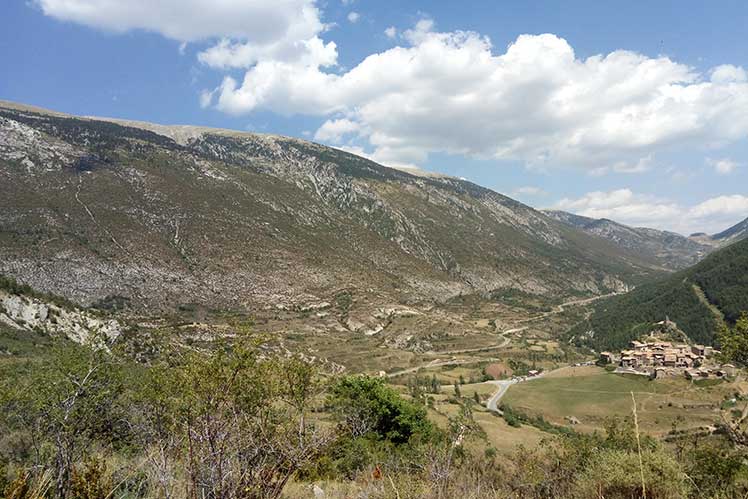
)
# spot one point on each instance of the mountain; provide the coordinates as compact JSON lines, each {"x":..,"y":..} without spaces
{"x":670,"y":250}
{"x":125,"y":214}
{"x":698,"y":299}
{"x":737,"y":232}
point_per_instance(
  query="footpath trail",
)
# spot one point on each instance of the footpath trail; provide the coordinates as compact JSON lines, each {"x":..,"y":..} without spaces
{"x":562,"y":308}
{"x":505,"y":339}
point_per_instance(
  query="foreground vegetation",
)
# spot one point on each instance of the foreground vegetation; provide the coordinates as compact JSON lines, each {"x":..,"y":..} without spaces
{"x":241,"y":421}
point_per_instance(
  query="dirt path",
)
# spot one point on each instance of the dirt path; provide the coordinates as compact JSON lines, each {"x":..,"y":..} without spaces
{"x":561,"y":308}
{"x":433,"y":363}
{"x":505,"y":340}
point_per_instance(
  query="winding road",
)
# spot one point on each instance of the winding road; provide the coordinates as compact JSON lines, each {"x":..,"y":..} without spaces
{"x":493,"y":402}
{"x":505,"y":340}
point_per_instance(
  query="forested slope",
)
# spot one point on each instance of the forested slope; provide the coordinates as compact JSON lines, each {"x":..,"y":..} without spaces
{"x":697,"y":299}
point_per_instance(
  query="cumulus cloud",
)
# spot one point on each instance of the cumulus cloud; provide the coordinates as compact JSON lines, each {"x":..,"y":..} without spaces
{"x":723,"y":166}
{"x":243,"y":32}
{"x":536,"y":101}
{"x":383,"y":158}
{"x":628,"y":207}
{"x":453,"y":92}
{"x":727,"y":73}
{"x":353,"y":17}
{"x":333,"y":131}
{"x":206,"y":96}
{"x":191,"y":20}
{"x":722,"y":205}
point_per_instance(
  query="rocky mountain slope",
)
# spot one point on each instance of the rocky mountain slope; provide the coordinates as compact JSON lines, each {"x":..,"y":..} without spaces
{"x":737,"y":232}
{"x":669,"y":249}
{"x":698,"y":299}
{"x":147,"y":216}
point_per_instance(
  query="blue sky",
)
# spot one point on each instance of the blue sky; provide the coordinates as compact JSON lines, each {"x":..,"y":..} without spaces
{"x":633,"y":112}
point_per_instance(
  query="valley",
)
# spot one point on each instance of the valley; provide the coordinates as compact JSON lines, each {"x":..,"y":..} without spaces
{"x":168,"y":248}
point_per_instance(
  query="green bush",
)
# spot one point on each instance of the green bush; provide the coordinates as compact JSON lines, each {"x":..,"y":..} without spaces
{"x":367,"y":405}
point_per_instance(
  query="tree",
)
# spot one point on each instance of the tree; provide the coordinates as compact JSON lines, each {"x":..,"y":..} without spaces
{"x":227,"y":423}
{"x":435,"y":385}
{"x":65,"y":401}
{"x":734,"y":342}
{"x":241,"y":420}
{"x":365,"y":405}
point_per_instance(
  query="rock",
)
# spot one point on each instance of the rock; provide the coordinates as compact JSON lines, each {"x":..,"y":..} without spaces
{"x":28,"y":313}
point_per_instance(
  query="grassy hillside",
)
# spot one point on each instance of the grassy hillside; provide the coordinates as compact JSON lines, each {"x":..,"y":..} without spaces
{"x":697,"y":299}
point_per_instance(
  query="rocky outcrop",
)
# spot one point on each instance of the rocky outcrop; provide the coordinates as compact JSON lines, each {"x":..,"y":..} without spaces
{"x":31,"y":314}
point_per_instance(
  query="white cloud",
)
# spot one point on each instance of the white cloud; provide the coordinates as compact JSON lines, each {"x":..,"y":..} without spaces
{"x":722,"y":205}
{"x":245,"y":31}
{"x":728,"y":73}
{"x":642,"y":165}
{"x":261,"y":21}
{"x":354,"y":17}
{"x":625,"y":206}
{"x":723,"y":166}
{"x":535,"y":101}
{"x":382,"y":158}
{"x":206,"y":96}
{"x":333,"y":131}
{"x":446,"y":92}
{"x":391,"y":32}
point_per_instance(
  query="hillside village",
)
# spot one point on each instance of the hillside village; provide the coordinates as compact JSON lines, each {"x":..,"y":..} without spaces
{"x":657,"y":357}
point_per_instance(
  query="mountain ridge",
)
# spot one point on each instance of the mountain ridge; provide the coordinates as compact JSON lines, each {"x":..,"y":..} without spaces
{"x":671,"y":250}
{"x":737,"y":232}
{"x":237,"y":219}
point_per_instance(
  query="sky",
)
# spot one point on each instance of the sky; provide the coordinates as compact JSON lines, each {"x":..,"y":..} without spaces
{"x":633,"y":111}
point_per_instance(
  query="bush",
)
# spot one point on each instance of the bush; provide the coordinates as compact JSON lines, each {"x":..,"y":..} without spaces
{"x":615,"y":474}
{"x":368,"y":406}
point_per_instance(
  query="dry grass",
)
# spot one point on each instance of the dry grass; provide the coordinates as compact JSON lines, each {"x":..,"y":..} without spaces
{"x":592,"y":395}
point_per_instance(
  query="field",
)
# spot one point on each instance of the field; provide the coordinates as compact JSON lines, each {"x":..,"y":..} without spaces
{"x":498,"y":434}
{"x":592,"y":395}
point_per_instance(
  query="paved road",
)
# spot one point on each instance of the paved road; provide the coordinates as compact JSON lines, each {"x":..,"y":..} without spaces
{"x":504,"y":384}
{"x":493,"y":402}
